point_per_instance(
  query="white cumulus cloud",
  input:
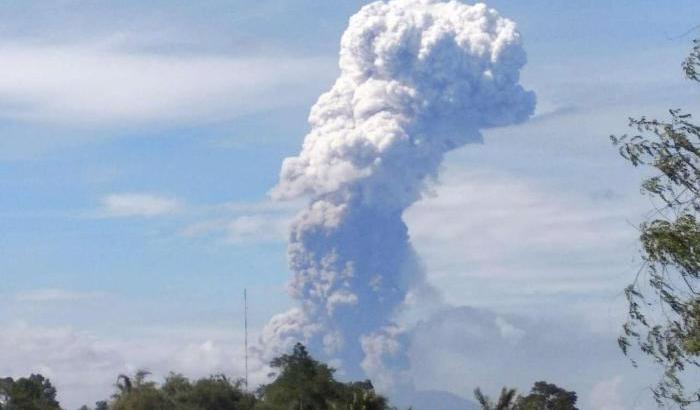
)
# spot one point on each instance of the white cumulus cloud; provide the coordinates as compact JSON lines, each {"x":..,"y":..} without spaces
{"x":54,"y":352}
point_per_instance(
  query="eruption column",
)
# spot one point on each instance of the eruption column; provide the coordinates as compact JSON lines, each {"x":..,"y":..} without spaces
{"x":418,"y":78}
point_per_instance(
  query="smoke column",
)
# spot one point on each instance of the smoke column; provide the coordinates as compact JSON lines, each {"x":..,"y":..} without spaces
{"x":418,"y":78}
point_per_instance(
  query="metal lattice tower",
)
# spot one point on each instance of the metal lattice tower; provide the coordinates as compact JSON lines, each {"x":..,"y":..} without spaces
{"x":245,"y":324}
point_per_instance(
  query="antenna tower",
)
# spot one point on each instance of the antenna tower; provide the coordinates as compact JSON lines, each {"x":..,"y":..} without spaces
{"x":245,"y":323}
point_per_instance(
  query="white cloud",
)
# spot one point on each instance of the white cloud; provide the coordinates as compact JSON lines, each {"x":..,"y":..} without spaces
{"x":78,"y":84}
{"x":55,"y":295}
{"x":461,"y":348}
{"x":497,"y":239}
{"x":138,"y":204}
{"x":244,"y":222}
{"x":456,"y":350}
{"x":258,"y":228}
{"x":55,"y":351}
{"x":513,"y":215}
{"x":607,"y":395}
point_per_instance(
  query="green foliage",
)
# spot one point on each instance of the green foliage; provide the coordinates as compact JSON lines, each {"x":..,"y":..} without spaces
{"x":546,"y":396}
{"x":692,"y":62}
{"x":506,"y":400}
{"x":101,"y":405}
{"x":303,"y":383}
{"x":664,"y":304}
{"x":178,"y":393}
{"x":300,"y":383}
{"x":217,"y":392}
{"x":31,"y":393}
{"x":139,"y":394}
{"x":543,"y":396}
{"x":361,"y":396}
{"x":177,"y":387}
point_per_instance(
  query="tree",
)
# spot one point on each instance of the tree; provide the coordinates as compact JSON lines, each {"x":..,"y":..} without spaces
{"x":664,"y":303}
{"x":28,"y":393}
{"x":5,"y":387}
{"x":139,"y":394}
{"x":506,"y":401}
{"x":177,"y":387}
{"x":545,"y":396}
{"x":361,"y":396}
{"x":303,"y":383}
{"x":217,"y":393}
{"x":178,"y":393}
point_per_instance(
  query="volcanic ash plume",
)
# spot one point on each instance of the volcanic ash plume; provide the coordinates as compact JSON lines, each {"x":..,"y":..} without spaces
{"x":418,"y":79}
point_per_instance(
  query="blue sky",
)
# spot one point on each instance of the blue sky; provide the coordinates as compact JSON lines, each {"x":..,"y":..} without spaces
{"x":139,"y":142}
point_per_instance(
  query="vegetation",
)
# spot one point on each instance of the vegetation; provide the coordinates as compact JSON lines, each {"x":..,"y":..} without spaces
{"x":546,"y":396}
{"x":664,"y":303}
{"x":306,"y":384}
{"x":299,"y":383}
{"x":543,"y":396}
{"x":179,"y":393}
{"x":506,"y":401}
{"x":30,"y":393}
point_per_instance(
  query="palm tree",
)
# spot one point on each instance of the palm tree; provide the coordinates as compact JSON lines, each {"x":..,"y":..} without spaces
{"x":125,"y":384}
{"x":506,"y":401}
{"x":367,"y":400}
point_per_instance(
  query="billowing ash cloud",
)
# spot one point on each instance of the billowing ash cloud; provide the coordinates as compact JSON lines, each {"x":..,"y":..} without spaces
{"x":418,"y":78}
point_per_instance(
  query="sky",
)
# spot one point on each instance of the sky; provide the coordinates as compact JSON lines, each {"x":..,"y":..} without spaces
{"x":140,"y":142}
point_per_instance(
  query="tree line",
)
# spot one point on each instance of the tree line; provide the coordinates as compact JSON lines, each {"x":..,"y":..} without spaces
{"x":300,"y":383}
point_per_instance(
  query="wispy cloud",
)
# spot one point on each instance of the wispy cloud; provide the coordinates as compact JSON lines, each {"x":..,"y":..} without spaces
{"x":93,"y":85}
{"x":138,"y":204}
{"x":245,"y":222}
{"x":56,"y":295}
{"x":258,"y":228}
